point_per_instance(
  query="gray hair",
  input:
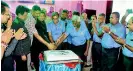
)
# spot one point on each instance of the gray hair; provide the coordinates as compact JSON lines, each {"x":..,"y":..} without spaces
{"x":76,"y":18}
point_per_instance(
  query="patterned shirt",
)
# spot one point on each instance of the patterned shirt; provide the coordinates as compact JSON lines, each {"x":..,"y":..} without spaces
{"x":30,"y":25}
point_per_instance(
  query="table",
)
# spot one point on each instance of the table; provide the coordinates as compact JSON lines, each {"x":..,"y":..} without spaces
{"x":57,"y":67}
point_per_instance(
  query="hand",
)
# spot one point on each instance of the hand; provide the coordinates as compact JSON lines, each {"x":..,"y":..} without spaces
{"x":55,"y":46}
{"x":20,"y":34}
{"x":86,"y":20}
{"x":7,"y":35}
{"x":9,"y":23}
{"x":23,"y":36}
{"x":86,"y":53}
{"x":106,"y":29}
{"x":93,"y":24}
{"x":92,"y":31}
{"x":51,"y":46}
{"x":121,"y":41}
{"x":23,"y":57}
{"x":128,"y":11}
{"x":57,"y":41}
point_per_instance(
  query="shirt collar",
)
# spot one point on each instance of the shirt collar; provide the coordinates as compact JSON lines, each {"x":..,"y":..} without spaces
{"x":66,"y":20}
{"x":57,"y":23}
{"x":115,"y":24}
{"x":20,"y":19}
{"x":98,"y":24}
{"x":101,"y":24}
{"x":131,"y":32}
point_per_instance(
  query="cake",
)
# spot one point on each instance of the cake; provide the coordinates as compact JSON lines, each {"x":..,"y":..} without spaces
{"x":60,"y":56}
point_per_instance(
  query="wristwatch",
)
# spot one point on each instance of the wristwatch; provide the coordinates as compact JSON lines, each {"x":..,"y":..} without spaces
{"x":124,"y":45}
{"x":117,"y":38}
{"x":109,"y":32}
{"x":3,"y":44}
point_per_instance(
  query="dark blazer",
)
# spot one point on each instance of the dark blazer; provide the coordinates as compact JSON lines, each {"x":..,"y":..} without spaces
{"x":23,"y":46}
{"x":42,"y":30}
{"x":89,"y":27}
{"x":37,"y":46}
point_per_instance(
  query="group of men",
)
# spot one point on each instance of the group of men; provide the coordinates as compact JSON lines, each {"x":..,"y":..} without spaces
{"x":63,"y":33}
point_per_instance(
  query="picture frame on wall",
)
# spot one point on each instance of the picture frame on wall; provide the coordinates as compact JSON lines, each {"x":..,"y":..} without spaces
{"x":51,"y":2}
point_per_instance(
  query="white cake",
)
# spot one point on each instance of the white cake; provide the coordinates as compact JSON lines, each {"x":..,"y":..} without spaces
{"x":60,"y":56}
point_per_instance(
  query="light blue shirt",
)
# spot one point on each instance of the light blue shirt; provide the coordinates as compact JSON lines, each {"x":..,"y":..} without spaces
{"x":69,"y":24}
{"x":119,"y":30}
{"x":78,"y":37}
{"x":129,"y":41}
{"x":56,"y":29}
{"x":68,"y":39}
{"x":99,"y":29}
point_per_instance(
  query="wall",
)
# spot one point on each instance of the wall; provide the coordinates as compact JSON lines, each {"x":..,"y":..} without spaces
{"x":98,"y":5}
{"x":122,"y":6}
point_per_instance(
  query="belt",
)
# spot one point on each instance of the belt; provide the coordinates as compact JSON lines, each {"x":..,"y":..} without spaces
{"x":128,"y":57}
{"x":97,"y":42}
